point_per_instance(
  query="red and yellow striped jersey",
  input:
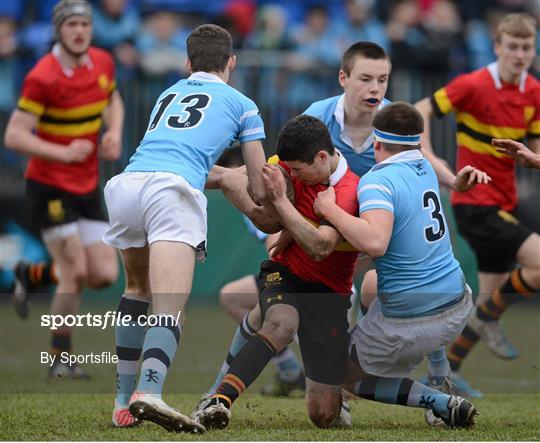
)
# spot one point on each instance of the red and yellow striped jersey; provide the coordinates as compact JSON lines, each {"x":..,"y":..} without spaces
{"x":69,"y":104}
{"x":486,"y":108}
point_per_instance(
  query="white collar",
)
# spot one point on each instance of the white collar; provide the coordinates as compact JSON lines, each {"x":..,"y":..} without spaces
{"x":340,"y":171}
{"x":339,"y":115}
{"x":205,"y":76}
{"x":493,"y":69}
{"x":66,"y":69}
{"x":401,"y":157}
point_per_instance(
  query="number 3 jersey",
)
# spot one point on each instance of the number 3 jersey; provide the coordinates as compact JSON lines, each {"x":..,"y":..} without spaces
{"x":191,"y":125}
{"x":418,"y":274}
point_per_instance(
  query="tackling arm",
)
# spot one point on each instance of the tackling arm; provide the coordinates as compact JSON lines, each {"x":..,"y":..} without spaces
{"x":234,"y":184}
{"x":370,"y":233}
{"x":254,"y":159}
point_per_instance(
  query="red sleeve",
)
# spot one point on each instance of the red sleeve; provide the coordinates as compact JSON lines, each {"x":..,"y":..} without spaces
{"x":453,"y":96}
{"x":34,"y":95}
{"x":533,"y":125}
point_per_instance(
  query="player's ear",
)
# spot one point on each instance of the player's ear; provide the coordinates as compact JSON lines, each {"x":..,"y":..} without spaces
{"x":342,"y":77}
{"x":187,"y":64}
{"x":232,"y":62}
{"x":323,"y":155}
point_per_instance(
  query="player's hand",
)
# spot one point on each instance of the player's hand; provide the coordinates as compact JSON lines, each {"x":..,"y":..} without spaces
{"x":523,"y":155}
{"x":324,"y":201}
{"x":280,"y":244}
{"x":468,"y":177}
{"x":274,"y":182}
{"x":111,"y":146}
{"x":78,"y":151}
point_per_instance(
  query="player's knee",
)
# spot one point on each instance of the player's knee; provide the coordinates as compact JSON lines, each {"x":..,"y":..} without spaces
{"x":227,"y":295}
{"x":280,"y":330}
{"x":321,"y":415}
{"x":102,"y":276}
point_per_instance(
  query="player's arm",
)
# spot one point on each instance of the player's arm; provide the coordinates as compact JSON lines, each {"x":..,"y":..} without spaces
{"x":213,"y":181}
{"x":444,"y":174}
{"x":20,"y":137}
{"x":318,"y":242}
{"x":370,"y":233}
{"x":526,"y":157}
{"x":234,"y":185}
{"x":113,"y":116}
{"x":467,"y":178}
{"x":254,"y":158}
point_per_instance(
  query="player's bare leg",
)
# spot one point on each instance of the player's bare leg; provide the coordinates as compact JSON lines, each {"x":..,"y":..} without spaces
{"x":129,"y":338}
{"x":69,"y":255}
{"x":171,"y":266}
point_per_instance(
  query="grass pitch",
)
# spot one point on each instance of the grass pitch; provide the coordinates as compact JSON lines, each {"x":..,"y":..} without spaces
{"x":36,"y":409}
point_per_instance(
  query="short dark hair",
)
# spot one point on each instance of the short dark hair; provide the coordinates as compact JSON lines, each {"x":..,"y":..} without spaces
{"x":301,"y":138}
{"x":367,"y":50}
{"x":209,"y":48}
{"x":399,"y":118}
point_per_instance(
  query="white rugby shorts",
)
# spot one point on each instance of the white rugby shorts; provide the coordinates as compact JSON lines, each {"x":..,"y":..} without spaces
{"x":145,"y":207}
{"x":89,"y":231}
{"x":394,"y":347}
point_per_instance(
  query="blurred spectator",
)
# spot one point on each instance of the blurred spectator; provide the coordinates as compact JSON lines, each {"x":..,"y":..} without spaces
{"x":316,"y":47}
{"x":434,"y":44}
{"x":316,"y":40}
{"x":162,"y":44}
{"x":479,"y":36}
{"x":443,"y":29}
{"x":8,"y":67}
{"x":197,"y":7}
{"x":360,"y":25}
{"x":271,"y":30}
{"x":9,"y":79}
{"x":116,"y":24}
{"x":13,"y":9}
{"x":242,"y":12}
{"x":228,"y":22}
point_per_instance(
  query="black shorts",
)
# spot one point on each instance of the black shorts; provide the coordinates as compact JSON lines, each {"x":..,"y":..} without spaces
{"x":494,"y":235}
{"x":52,"y":206}
{"x":323,"y":327}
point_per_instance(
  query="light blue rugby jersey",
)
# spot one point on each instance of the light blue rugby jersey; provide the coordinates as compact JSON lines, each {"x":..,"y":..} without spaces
{"x":330,"y":111}
{"x":191,"y":125}
{"x":418,"y":274}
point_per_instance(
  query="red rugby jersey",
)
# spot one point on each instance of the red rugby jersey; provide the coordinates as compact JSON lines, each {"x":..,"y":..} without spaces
{"x":69,"y":104}
{"x":486,"y":108}
{"x":336,"y":270}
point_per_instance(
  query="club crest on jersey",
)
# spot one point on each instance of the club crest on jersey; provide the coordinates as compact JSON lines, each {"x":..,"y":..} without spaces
{"x":56,"y":210}
{"x":103,"y":82}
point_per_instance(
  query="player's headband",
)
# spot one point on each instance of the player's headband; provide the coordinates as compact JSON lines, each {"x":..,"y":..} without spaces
{"x":398,"y":139}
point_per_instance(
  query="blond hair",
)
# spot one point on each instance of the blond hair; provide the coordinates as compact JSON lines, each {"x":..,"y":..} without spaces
{"x":520,"y":25}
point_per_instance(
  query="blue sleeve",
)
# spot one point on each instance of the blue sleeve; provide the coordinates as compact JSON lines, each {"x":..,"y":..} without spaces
{"x":375,"y":193}
{"x":251,"y":124}
{"x":261,"y":236}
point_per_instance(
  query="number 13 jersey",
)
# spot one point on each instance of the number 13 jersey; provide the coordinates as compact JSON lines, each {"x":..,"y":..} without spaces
{"x":191,"y":125}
